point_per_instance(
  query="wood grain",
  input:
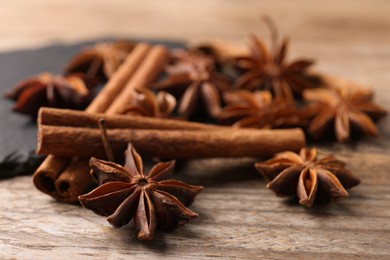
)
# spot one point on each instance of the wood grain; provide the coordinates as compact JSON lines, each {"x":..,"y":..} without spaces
{"x":239,"y":218}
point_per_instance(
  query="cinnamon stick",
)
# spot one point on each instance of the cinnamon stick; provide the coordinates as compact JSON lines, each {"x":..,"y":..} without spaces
{"x":75,"y":179}
{"x":56,"y":176}
{"x":144,"y":76}
{"x":118,"y":81}
{"x":178,"y":144}
{"x":67,"y":117}
{"x":46,"y":174}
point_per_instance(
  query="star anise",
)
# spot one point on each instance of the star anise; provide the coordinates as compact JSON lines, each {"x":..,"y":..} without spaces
{"x":101,"y":60}
{"x":259,"y":110}
{"x":344,"y":109}
{"x":306,"y":176}
{"x":146,"y":103}
{"x":49,"y":90}
{"x":126,"y":193}
{"x":268,"y":69}
{"x":221,"y":52}
{"x":192,"y":76}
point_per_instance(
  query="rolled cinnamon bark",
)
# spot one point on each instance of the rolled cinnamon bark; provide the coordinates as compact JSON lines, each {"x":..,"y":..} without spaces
{"x":55,"y":176}
{"x":119,"y":79}
{"x":67,"y":117}
{"x":45,"y":176}
{"x":75,"y":179}
{"x":149,"y":70}
{"x":177,"y":144}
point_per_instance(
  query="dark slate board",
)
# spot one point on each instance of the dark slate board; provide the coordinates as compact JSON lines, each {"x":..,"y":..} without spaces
{"x":18,"y":132}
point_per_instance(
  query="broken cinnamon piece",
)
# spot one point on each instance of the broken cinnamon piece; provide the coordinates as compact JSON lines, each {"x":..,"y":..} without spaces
{"x":107,"y":146}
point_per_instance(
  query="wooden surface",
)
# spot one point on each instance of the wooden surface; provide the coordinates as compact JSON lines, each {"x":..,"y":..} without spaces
{"x":239,"y":218}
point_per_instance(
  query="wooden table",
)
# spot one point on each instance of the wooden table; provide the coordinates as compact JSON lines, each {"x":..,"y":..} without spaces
{"x":239,"y":218}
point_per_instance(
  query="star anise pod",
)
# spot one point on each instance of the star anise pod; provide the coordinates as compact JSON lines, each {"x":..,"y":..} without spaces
{"x":221,"y":52}
{"x":49,"y":90}
{"x":259,"y":110}
{"x":126,"y":193}
{"x":268,"y":69}
{"x":101,"y":60}
{"x":344,"y":110}
{"x":146,"y":103}
{"x":308,"y":177}
{"x":193,"y":78}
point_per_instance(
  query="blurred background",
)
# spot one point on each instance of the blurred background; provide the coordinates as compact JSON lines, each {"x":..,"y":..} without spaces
{"x":350,"y":37}
{"x":26,"y":23}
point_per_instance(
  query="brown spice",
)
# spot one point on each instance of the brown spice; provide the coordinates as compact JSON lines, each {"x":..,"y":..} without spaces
{"x":344,"y":109}
{"x":311,"y":179}
{"x":149,"y":67}
{"x":222,"y":52}
{"x":267,"y":69}
{"x":65,"y":181}
{"x":259,"y":110}
{"x":100,"y":61}
{"x":126,"y":193}
{"x":67,"y":117}
{"x":178,"y":144}
{"x":146,"y":103}
{"x":118,"y":81}
{"x":148,"y":71}
{"x":195,"y":73}
{"x":49,"y":90}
